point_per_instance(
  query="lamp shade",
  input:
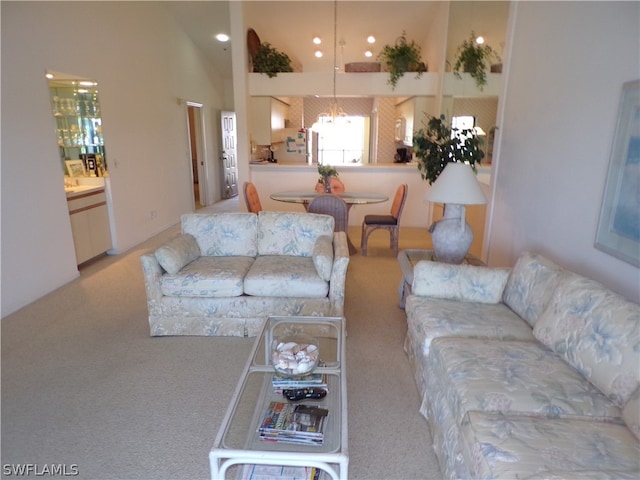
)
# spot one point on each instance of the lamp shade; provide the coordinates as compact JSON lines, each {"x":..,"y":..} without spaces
{"x":457,"y":184}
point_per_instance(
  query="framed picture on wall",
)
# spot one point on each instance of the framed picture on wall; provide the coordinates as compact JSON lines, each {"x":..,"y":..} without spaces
{"x":75,"y":168}
{"x":619,"y":226}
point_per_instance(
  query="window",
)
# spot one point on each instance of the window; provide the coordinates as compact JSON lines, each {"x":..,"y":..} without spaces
{"x":343,"y":141}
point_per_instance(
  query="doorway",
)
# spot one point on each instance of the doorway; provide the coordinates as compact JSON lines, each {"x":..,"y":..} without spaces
{"x":196,"y":150}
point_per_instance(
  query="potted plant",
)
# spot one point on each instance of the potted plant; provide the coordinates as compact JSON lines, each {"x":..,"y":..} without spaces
{"x":437,"y":144}
{"x":474,"y":58}
{"x":271,"y":61}
{"x":400,"y":58}
{"x":327,"y":172}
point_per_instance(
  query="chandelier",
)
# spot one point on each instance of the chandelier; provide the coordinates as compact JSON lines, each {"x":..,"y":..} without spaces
{"x":335,"y":112}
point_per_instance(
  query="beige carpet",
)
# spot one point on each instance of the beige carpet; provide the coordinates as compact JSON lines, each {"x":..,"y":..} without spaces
{"x":84,"y":385}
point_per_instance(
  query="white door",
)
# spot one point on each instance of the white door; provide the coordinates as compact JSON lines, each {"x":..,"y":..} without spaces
{"x":229,"y":155}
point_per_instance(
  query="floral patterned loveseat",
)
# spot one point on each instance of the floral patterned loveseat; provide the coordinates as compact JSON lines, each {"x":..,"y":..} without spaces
{"x":225,"y":273}
{"x":531,"y":372}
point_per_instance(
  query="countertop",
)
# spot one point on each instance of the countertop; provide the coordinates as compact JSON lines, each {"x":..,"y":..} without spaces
{"x":82,"y":189}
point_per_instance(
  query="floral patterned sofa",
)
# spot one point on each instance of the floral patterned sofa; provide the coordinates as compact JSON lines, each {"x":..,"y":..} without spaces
{"x":530,"y":372}
{"x":225,"y":273}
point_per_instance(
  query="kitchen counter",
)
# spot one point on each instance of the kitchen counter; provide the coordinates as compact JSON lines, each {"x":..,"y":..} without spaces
{"x":82,"y":189}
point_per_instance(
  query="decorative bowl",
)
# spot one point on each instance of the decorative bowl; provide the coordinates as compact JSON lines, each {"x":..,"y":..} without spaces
{"x":295,"y":355}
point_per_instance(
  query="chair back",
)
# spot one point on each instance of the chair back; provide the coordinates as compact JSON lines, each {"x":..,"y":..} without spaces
{"x":251,"y":198}
{"x":398,"y":201}
{"x":333,"y":205}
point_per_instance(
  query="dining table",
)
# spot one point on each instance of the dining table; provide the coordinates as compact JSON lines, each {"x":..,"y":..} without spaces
{"x":304,"y":197}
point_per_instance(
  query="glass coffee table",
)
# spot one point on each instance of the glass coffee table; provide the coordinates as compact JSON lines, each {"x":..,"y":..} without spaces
{"x":238,"y":443}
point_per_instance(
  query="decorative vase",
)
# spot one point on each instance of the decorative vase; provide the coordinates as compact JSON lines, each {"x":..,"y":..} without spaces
{"x":452,"y":236}
{"x":327,"y":184}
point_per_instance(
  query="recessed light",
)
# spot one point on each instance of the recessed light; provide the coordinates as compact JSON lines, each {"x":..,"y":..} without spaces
{"x":222,"y":37}
{"x":317,"y":40}
{"x":319,"y":54}
{"x":49,"y":76}
{"x":371,"y":39}
{"x":368,"y":53}
{"x":480,"y":40}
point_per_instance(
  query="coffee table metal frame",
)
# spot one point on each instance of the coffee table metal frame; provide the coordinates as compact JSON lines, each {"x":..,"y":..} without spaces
{"x":238,"y":442}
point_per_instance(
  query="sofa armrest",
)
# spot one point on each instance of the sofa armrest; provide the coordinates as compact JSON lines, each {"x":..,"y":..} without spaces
{"x":152,"y":272}
{"x":467,"y":283}
{"x":338,"y":273}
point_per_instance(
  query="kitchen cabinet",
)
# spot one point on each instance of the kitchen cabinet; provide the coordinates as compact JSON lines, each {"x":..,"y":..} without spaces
{"x":268,"y":120}
{"x":89,"y":224}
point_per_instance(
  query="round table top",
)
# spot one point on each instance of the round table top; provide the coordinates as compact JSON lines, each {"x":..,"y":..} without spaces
{"x":350,"y":198}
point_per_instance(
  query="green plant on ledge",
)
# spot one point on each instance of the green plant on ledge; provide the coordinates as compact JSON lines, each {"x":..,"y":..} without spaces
{"x":271,"y":61}
{"x":400,"y":58}
{"x":474,"y":58}
{"x":438,"y":144}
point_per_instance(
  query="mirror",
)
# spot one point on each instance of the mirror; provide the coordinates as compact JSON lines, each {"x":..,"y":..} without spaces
{"x":76,"y":107}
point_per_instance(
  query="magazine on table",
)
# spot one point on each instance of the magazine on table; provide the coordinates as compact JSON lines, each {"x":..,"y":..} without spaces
{"x":281,"y":382}
{"x":286,"y":422}
{"x":278,"y":472}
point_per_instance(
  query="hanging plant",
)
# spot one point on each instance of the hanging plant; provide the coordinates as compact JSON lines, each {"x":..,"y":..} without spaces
{"x":271,"y":61}
{"x":438,"y":144}
{"x":474,"y":59}
{"x":400,"y":58}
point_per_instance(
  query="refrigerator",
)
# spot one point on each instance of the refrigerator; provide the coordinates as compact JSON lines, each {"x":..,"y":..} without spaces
{"x":300,"y":146}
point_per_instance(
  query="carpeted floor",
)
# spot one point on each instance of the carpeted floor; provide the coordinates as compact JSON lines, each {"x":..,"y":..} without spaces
{"x":83,"y":384}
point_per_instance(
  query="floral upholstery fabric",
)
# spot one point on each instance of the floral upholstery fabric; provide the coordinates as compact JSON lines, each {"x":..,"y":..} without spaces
{"x":323,"y":256}
{"x":223,"y":234}
{"x":509,"y":446}
{"x":284,"y":276}
{"x":597,"y":332}
{"x":209,"y":277}
{"x":177,"y":253}
{"x":286,"y":233}
{"x":459,"y":282}
{"x":531,"y":285}
{"x":631,"y":413}
{"x":209,"y":298}
{"x":428,"y":319}
{"x":506,"y":376}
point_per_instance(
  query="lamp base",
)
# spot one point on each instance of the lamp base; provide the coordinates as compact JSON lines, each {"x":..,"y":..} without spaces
{"x":452,"y":235}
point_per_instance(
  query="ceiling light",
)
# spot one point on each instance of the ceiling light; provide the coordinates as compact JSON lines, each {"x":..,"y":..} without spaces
{"x":480,"y":40}
{"x":317,"y":40}
{"x":319,"y":54}
{"x":368,"y":53}
{"x":371,"y":39}
{"x":222,"y":37}
{"x":49,"y":76}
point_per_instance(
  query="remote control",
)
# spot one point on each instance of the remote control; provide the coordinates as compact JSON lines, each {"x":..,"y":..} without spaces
{"x":304,"y":393}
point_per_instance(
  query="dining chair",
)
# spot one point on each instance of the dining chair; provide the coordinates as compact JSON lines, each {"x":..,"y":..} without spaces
{"x":251,"y":198}
{"x":389,"y":222}
{"x":331,"y":205}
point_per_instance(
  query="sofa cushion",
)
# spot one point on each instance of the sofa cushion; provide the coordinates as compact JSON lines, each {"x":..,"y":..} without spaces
{"x":531,"y":285}
{"x":459,"y":282}
{"x":323,"y":256}
{"x":631,"y":413}
{"x":287,"y":233}
{"x":208,"y":277}
{"x":223,"y":234}
{"x":515,"y":377}
{"x":284,"y":276}
{"x":506,"y":446}
{"x":597,"y":332}
{"x":177,"y":253}
{"x":430,"y":318}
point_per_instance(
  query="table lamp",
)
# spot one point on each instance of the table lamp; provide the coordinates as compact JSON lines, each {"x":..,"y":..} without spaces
{"x":456,"y":187}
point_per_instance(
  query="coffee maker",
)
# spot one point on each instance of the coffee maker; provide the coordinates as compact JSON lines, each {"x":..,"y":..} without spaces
{"x":402,"y":155}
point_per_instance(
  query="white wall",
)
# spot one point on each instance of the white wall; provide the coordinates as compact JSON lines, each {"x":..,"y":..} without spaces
{"x":566,"y":71}
{"x":143,"y":63}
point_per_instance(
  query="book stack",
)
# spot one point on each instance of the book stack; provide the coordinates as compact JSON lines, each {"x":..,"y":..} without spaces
{"x":288,"y":423}
{"x":281,"y":382}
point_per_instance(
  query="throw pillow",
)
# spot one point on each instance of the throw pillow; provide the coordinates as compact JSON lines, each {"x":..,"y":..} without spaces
{"x":467,"y":283}
{"x":323,"y":256}
{"x":177,"y":253}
